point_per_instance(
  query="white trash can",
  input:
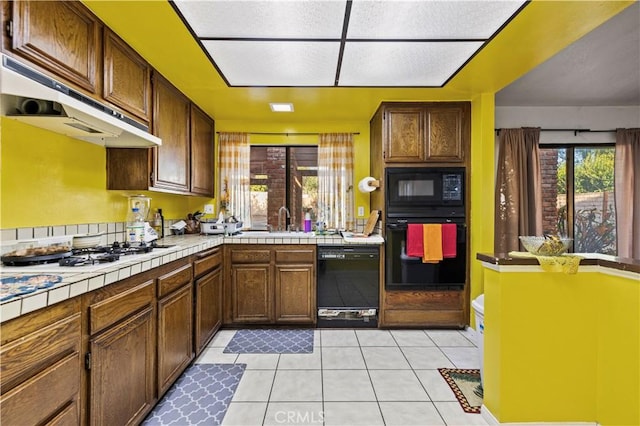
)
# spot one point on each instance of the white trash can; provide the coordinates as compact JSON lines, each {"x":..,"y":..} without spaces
{"x":478,"y":308}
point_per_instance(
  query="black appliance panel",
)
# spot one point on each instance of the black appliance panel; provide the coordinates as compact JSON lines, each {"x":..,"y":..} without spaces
{"x":348,"y":283}
{"x":424,"y":191}
{"x":408,"y":273}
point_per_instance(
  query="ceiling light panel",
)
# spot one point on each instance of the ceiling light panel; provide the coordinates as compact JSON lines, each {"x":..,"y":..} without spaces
{"x":268,"y":63}
{"x":403,"y":64}
{"x":429,"y":19}
{"x":264,"y":19}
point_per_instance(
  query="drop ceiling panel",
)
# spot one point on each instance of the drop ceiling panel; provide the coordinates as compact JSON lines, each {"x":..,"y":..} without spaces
{"x":365,"y":43}
{"x":428,"y":19}
{"x":264,"y":19}
{"x":403,"y":64}
{"x":269,"y":63}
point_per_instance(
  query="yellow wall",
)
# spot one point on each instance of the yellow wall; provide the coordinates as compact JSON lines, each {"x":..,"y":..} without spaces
{"x":482,"y":178}
{"x":51,"y":179}
{"x":562,"y":348}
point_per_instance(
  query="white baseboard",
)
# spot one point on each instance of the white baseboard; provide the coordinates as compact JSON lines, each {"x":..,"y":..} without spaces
{"x":491,"y":419}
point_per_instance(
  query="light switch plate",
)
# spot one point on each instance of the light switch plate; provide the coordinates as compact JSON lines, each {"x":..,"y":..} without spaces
{"x":360,"y":211}
{"x":208,"y":208}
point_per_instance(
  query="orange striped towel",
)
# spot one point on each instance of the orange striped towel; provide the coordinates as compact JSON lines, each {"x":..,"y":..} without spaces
{"x":432,"y":241}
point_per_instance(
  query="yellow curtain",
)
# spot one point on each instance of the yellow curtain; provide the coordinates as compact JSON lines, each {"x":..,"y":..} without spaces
{"x":335,"y":180}
{"x":234,"y":164}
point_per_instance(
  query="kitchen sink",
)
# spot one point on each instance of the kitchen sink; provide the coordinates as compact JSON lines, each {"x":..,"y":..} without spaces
{"x":282,"y":234}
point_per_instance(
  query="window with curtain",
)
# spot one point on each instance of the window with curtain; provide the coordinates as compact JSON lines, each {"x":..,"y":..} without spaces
{"x":578,"y":195}
{"x":233,"y":162}
{"x":283,"y":176}
{"x":335,"y":180}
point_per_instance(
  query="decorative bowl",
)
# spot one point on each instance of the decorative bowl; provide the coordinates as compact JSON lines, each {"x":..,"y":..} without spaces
{"x":549,"y":245}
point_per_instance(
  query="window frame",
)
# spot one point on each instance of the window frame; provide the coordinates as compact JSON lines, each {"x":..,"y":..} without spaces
{"x":570,"y":162}
{"x":287,"y":148}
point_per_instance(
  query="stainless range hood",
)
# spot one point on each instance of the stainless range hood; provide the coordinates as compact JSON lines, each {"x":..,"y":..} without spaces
{"x":34,"y":98}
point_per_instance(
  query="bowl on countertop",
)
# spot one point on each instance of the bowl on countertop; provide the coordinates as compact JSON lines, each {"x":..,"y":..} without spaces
{"x":546,"y":246}
{"x":86,"y":240}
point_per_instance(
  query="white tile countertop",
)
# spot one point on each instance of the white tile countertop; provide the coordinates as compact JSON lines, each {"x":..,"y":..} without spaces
{"x":76,"y":280}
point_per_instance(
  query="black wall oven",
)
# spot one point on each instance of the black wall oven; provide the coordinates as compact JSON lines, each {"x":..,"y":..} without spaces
{"x":405,"y":272}
{"x":424,"y":196}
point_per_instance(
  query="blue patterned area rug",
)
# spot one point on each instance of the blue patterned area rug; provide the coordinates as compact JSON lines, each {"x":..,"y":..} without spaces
{"x":200,"y":396}
{"x":271,"y":342}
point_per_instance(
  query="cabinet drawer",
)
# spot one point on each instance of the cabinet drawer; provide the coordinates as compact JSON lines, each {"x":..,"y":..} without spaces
{"x":39,"y":349}
{"x":40,"y":397}
{"x":113,"y":309}
{"x":298,"y":255}
{"x":174,"y":280}
{"x":207,"y":261}
{"x":250,"y":256}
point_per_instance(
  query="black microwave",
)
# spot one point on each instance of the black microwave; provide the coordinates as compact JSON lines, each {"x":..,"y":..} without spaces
{"x":424,"y":191}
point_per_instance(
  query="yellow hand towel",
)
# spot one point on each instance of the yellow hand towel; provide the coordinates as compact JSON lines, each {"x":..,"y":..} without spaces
{"x":432,"y":242}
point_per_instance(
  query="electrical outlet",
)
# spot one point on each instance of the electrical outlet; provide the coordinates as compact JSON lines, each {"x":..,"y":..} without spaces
{"x":208,"y":208}
{"x":360,"y":211}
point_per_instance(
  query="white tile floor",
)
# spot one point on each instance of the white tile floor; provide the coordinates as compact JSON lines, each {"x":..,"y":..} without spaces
{"x":353,"y":377}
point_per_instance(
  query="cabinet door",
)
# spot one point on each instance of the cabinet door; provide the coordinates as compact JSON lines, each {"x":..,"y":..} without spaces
{"x":445,"y":134}
{"x":202,"y":129}
{"x":175,"y":328}
{"x":405,"y":135}
{"x":41,"y":366}
{"x":127,"y":77}
{"x":123,"y":371}
{"x":295,"y":294}
{"x":251,"y":293}
{"x":62,"y":37}
{"x":208,"y":307}
{"x":171,"y":124}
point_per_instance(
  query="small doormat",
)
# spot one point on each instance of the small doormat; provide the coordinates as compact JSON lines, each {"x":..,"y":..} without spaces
{"x":465,"y":384}
{"x":200,"y":396}
{"x":271,"y":342}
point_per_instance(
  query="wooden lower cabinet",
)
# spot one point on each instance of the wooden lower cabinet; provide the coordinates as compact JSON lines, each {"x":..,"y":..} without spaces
{"x":208,"y":297}
{"x":251,"y":293}
{"x":175,"y":323}
{"x":122,"y":349}
{"x":175,"y":330}
{"x":295,"y":293}
{"x":122,"y":371}
{"x":41,"y":365}
{"x":270,"y":284}
{"x":407,"y":308}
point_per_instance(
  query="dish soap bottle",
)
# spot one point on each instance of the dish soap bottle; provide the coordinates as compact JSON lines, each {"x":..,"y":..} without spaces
{"x":135,"y":227}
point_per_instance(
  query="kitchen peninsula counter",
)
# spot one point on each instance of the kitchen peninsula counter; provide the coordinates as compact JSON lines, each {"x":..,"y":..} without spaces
{"x":83,"y":279}
{"x":561,"y":347}
{"x":588,"y":259}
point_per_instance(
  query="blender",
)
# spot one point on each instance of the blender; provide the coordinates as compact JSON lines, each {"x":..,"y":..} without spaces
{"x":138,"y":229}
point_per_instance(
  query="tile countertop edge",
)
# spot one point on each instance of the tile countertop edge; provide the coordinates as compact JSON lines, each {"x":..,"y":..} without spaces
{"x":77,"y":283}
{"x":611,"y":262}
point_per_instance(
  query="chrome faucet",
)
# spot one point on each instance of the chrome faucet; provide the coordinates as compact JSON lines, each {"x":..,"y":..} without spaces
{"x":283,"y":228}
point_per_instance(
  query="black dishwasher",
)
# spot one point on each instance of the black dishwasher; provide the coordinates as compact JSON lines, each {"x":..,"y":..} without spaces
{"x":348,"y":286}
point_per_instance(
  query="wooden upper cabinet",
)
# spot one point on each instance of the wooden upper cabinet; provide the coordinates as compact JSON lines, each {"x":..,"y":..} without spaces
{"x":405,"y":141}
{"x":420,"y":132}
{"x":127,"y":77}
{"x":60,"y":36}
{"x":202,"y":136}
{"x":446,"y":132}
{"x":171,"y":124}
